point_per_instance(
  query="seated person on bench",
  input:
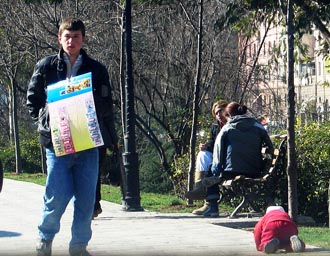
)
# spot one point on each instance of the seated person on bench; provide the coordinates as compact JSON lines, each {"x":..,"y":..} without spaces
{"x":237,"y":151}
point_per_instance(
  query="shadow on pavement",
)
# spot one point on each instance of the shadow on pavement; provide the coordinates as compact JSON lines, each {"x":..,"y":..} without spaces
{"x":8,"y":233}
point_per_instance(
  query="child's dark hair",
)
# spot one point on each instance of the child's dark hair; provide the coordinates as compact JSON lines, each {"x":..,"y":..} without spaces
{"x":234,"y":109}
{"x":72,"y":24}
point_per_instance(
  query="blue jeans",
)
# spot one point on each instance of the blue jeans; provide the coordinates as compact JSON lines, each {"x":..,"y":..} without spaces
{"x":70,"y":176}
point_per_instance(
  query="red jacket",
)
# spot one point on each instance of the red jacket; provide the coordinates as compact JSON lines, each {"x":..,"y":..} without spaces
{"x":277,"y":224}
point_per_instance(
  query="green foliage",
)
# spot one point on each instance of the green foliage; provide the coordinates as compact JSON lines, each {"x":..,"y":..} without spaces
{"x":245,"y":15}
{"x":179,"y":178}
{"x":261,"y":5}
{"x":30,"y":153}
{"x":180,"y":164}
{"x":313,"y":157}
{"x":317,"y":236}
{"x":38,"y":178}
{"x":163,"y":203}
{"x":149,"y":201}
{"x":7,"y":156}
{"x":152,"y":176}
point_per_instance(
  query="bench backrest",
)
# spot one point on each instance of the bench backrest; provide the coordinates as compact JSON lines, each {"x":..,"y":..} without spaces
{"x":274,"y":163}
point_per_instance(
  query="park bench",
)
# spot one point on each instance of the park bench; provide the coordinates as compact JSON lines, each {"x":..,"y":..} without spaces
{"x":257,"y":193}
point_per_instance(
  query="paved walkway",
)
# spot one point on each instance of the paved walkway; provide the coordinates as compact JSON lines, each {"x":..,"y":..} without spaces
{"x":120,"y":233}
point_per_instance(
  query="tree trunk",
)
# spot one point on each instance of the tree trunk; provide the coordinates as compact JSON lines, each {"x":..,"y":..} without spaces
{"x":13,"y":125}
{"x":16,"y":131}
{"x":292,"y":163}
{"x":11,"y":115}
{"x":196,"y":101}
{"x":329,"y":204}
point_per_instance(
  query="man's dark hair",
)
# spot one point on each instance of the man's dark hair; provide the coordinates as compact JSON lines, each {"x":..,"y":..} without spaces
{"x":72,"y":24}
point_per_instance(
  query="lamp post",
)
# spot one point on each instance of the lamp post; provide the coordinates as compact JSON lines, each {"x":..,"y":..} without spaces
{"x":130,"y":157}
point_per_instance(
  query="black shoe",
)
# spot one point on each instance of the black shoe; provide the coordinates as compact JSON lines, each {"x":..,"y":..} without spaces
{"x":214,"y":213}
{"x":272,"y":246}
{"x":213,"y":210}
{"x":97,"y":212}
{"x":44,"y":247}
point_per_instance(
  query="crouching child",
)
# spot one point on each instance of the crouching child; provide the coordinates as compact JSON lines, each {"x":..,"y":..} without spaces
{"x":276,"y":230}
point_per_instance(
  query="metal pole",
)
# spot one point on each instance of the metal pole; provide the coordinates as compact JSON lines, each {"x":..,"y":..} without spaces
{"x":130,"y":157}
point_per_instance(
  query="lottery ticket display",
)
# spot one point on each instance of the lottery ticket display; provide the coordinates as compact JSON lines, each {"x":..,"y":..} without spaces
{"x":73,"y":120}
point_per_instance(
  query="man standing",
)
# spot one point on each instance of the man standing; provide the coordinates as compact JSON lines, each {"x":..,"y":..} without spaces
{"x":72,"y":176}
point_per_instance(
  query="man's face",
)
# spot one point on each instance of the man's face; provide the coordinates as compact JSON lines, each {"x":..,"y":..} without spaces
{"x":220,"y":116}
{"x":71,"y":41}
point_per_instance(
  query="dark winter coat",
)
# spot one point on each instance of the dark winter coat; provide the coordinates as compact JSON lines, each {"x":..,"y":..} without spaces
{"x":238,"y":147}
{"x":52,"y":69}
{"x":214,"y":131}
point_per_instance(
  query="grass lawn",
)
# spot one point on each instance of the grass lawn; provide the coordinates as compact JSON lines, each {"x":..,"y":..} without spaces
{"x":317,"y":236}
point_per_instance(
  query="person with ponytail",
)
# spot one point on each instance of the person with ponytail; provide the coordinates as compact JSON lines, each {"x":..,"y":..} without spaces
{"x":237,"y":151}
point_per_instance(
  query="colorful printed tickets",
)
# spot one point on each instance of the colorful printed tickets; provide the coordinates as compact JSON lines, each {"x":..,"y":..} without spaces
{"x":73,"y":120}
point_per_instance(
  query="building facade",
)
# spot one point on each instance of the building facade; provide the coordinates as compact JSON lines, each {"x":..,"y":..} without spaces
{"x":267,"y":54}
